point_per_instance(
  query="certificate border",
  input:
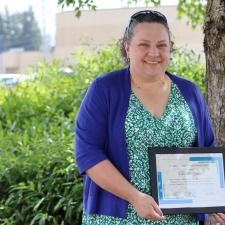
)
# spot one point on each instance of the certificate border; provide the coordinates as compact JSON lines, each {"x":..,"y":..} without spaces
{"x":153,"y":172}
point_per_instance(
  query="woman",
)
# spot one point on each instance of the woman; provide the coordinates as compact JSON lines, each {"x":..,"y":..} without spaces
{"x":125,"y":112}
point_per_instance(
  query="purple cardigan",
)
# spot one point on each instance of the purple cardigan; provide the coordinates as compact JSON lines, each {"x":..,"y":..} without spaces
{"x":100,"y":133}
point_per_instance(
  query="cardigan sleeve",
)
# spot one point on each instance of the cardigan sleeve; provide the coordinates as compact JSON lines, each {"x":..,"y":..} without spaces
{"x":208,"y":132}
{"x":91,"y":129}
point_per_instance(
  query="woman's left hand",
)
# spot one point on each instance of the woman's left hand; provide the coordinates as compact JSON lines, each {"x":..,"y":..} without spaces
{"x":217,"y":217}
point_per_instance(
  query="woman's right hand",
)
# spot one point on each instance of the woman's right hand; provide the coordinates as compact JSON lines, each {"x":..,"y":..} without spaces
{"x":109,"y":178}
{"x":146,"y":207}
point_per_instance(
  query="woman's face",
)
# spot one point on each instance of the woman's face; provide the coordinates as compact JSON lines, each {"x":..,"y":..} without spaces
{"x":149,"y":50}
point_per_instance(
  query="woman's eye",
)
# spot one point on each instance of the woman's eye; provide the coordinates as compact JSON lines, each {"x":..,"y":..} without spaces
{"x":144,"y":44}
{"x":162,"y":46}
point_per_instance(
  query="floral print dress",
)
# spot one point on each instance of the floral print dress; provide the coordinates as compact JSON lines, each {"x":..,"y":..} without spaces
{"x":175,"y":128}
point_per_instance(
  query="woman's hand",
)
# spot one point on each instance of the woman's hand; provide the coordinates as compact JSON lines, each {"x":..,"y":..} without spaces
{"x":146,"y":207}
{"x":109,"y":178}
{"x":217,"y":218}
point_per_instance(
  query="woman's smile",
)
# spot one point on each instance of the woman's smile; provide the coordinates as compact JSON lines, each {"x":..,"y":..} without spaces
{"x":151,"y":62}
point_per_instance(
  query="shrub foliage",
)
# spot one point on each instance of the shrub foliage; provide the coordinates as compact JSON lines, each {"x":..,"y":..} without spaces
{"x":39,"y":181}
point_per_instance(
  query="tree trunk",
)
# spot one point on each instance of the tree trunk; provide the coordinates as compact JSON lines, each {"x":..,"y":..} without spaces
{"x":214,"y":45}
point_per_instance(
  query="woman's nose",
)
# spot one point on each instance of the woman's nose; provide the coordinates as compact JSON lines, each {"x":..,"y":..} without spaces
{"x":153,"y":51}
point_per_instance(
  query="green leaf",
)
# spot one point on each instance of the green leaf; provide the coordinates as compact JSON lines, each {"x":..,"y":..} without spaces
{"x":38,"y":204}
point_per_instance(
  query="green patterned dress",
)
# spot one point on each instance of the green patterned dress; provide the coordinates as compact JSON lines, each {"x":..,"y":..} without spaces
{"x":175,"y":128}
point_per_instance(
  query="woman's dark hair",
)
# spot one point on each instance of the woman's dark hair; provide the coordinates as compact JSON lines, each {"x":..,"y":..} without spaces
{"x":149,"y":16}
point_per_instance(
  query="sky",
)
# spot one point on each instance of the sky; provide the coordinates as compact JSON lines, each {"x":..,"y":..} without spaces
{"x":45,"y":10}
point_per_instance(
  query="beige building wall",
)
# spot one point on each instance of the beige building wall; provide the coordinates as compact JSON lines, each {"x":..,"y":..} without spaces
{"x":94,"y":28}
{"x":20,"y":61}
{"x":105,"y":25}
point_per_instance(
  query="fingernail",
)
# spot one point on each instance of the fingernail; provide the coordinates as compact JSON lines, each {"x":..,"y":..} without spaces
{"x":161,"y":213}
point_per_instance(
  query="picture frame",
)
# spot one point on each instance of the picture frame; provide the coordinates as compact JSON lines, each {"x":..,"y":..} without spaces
{"x":188,"y":180}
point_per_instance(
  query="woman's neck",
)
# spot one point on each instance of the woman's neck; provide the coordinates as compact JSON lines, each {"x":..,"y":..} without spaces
{"x":149,"y":82}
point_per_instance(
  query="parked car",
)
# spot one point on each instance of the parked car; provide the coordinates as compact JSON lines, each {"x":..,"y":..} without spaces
{"x":12,"y":79}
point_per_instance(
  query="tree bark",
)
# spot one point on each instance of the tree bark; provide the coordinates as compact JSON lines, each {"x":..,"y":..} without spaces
{"x":214,"y":46}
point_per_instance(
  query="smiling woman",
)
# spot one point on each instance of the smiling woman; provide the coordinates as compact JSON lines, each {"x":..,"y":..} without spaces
{"x":126,"y":112}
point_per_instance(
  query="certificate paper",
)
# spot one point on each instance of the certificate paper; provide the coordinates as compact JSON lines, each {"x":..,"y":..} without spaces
{"x":188,"y":180}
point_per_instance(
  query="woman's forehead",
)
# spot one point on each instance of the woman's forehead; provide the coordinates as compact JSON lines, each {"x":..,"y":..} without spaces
{"x":150,"y":30}
{"x":150,"y":26}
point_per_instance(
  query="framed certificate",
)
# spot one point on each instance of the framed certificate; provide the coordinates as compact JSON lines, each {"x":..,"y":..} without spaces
{"x":188,"y":180}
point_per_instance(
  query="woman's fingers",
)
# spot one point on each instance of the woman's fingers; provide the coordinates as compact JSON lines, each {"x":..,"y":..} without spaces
{"x":155,"y":215}
{"x":146,"y":207}
{"x":217,"y":218}
{"x":158,"y":210}
{"x":222,"y":216}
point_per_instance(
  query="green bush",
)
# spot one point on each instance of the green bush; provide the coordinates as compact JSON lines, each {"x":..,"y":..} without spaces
{"x":187,"y":64}
{"x":39,"y":181}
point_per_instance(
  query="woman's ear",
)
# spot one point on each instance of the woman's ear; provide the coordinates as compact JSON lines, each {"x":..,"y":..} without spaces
{"x":171,"y":47}
{"x":126,"y":48}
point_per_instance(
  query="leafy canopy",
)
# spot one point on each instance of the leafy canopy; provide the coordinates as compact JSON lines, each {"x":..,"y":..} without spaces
{"x":193,"y":9}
